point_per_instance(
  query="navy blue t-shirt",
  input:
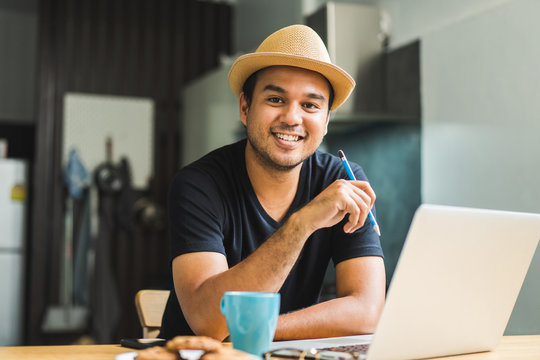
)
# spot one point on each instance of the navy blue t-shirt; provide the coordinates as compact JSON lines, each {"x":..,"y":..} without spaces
{"x":213,"y":207}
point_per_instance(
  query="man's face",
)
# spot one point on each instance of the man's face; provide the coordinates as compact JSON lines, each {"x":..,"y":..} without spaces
{"x":288,"y":116}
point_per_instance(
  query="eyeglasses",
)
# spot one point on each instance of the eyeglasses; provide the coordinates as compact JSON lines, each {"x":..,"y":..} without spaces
{"x":290,"y":353}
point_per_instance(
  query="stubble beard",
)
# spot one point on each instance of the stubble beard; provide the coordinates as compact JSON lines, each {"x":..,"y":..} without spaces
{"x":264,"y":156}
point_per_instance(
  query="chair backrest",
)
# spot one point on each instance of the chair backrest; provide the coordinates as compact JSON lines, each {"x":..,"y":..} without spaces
{"x":150,"y":306}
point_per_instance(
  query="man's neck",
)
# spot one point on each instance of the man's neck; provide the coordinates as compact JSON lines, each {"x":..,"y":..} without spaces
{"x":275,"y":189}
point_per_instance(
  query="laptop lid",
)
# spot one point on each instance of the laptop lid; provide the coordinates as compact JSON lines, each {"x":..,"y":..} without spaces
{"x":456,"y":282}
{"x":455,"y":285}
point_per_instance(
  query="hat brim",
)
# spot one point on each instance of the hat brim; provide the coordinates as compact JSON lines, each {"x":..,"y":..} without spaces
{"x":245,"y":65}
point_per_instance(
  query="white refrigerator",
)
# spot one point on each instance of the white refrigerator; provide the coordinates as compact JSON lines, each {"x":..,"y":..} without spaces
{"x":13,"y":201}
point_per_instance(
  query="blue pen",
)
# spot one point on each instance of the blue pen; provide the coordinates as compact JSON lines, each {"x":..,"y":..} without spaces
{"x":352,"y":177}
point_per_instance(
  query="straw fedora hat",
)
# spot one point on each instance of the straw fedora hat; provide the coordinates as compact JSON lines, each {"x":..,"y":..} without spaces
{"x":295,"y":45}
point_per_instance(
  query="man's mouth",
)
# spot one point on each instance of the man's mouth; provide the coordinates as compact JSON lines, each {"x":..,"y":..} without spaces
{"x":287,"y":137}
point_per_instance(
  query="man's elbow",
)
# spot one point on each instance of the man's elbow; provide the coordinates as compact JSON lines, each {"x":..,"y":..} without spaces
{"x":370,"y":319}
{"x":206,"y":327}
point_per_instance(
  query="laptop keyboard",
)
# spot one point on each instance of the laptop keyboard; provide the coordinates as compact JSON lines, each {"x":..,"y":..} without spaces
{"x":357,"y":351}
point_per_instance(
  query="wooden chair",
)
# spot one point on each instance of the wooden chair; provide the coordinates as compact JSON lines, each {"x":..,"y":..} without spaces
{"x":150,"y":306}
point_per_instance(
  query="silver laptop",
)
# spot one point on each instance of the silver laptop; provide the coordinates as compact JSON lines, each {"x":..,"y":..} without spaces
{"x":454,"y":287}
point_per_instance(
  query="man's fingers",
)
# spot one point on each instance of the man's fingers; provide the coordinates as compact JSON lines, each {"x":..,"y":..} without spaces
{"x":354,"y":198}
{"x":358,"y":209}
{"x":365,"y":187}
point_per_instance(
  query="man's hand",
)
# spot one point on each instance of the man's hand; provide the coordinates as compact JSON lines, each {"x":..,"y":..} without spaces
{"x":342,"y":197}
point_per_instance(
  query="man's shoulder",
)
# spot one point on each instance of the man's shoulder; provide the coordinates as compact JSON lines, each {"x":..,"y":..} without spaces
{"x":324,"y":159}
{"x":325,"y":164}
{"x":215,"y":171}
{"x":330,"y":167}
{"x":223,"y":159}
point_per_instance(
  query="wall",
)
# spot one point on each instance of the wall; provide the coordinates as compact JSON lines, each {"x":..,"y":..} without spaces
{"x":211,"y":115}
{"x":256,"y":19}
{"x":309,"y":6}
{"x":18,"y":49}
{"x":414,"y":19}
{"x":481,"y":123}
{"x":390,"y":156}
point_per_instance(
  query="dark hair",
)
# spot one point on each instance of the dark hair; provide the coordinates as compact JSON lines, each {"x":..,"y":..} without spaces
{"x":249,"y":87}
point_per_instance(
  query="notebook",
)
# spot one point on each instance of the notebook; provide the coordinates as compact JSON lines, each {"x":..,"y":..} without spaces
{"x":454,"y":287}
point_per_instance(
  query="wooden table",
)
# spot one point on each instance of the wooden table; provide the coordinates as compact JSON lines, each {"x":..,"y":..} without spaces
{"x":62,"y":352}
{"x":525,"y":347}
{"x":511,"y":347}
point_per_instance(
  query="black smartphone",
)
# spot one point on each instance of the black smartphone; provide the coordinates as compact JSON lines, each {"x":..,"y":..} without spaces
{"x":142,"y":343}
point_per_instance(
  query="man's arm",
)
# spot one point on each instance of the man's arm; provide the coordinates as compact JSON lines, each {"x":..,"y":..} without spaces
{"x":200,"y":279}
{"x":360,"y":290}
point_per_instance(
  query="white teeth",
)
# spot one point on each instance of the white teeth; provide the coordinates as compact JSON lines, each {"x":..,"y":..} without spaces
{"x":287,"y":137}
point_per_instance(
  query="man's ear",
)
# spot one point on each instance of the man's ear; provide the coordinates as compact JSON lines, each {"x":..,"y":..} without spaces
{"x":326,"y":125}
{"x":244,"y":108}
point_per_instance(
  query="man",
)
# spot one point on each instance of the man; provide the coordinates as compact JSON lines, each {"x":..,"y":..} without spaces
{"x":268,"y":213}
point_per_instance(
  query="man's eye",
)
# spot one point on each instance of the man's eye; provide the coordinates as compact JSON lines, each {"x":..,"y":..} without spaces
{"x":275,"y":100}
{"x":311,"y":106}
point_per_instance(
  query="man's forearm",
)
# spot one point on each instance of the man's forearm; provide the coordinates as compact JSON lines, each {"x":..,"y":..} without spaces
{"x":264,"y":270}
{"x":337,"y":317}
{"x":360,"y":290}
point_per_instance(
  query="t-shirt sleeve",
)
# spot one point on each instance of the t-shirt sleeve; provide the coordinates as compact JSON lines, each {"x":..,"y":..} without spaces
{"x":195,"y":214}
{"x":363,"y":242}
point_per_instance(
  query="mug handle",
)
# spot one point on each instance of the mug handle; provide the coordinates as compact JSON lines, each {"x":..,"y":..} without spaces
{"x":222,"y":305}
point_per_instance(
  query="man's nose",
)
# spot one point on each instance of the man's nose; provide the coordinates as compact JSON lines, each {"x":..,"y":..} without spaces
{"x":292,"y":114}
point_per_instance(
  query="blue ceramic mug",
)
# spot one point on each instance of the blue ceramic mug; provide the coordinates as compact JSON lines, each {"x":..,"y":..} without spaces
{"x":251,"y":319}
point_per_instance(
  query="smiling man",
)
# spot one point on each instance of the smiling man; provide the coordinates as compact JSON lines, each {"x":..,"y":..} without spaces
{"x":270,"y":212}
